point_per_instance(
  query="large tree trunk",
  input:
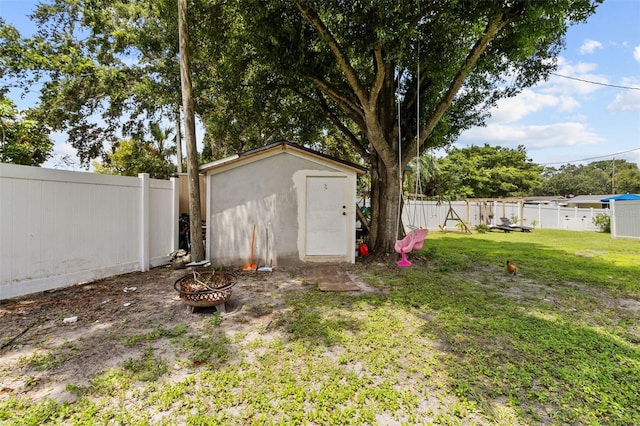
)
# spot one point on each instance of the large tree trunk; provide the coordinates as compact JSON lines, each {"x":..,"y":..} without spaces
{"x":386,"y":198}
{"x":195,"y":218}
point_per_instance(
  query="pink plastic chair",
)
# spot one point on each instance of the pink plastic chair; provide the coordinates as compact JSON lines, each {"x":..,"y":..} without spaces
{"x":412,"y":241}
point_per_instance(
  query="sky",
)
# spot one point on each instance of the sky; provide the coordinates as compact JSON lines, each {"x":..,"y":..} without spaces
{"x":563,"y":120}
{"x":588,"y":111}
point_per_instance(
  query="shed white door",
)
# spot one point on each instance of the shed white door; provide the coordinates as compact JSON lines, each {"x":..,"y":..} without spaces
{"x":326,"y":227}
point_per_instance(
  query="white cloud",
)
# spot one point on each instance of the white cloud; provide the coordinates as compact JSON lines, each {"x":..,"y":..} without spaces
{"x":532,"y":136}
{"x":567,"y":103}
{"x":65,"y":149}
{"x":565,"y":66}
{"x":627,"y":101}
{"x":636,"y":53}
{"x":528,"y":101}
{"x":589,"y":46}
{"x":570,"y":86}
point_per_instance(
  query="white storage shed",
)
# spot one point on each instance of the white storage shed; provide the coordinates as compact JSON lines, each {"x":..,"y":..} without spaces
{"x":300,"y":202}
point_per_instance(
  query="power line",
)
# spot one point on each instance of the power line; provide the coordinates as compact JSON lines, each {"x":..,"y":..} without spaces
{"x":591,"y":158}
{"x":595,"y":82}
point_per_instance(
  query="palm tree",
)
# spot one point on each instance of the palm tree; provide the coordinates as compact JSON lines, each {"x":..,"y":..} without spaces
{"x":160,"y":142}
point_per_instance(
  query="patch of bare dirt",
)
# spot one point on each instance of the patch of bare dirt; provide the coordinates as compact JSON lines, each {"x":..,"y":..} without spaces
{"x":53,"y":338}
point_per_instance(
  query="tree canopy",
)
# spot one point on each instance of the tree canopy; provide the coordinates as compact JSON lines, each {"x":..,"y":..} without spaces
{"x":599,"y":177}
{"x":105,"y":69}
{"x":488,"y":172}
{"x":130,"y":157}
{"x":23,"y":140}
{"x":388,"y":78}
{"x":396,"y":77}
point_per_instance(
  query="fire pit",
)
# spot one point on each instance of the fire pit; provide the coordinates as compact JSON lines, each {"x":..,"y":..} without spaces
{"x":205,"y":289}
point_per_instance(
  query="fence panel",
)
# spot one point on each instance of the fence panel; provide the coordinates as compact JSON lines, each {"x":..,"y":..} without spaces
{"x":432,"y":215}
{"x":163,"y":220}
{"x":423,"y":214}
{"x":566,"y":218}
{"x":60,"y":227}
{"x":625,"y":219}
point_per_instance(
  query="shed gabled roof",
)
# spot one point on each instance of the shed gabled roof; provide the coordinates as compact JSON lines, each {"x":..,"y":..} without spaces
{"x":271,"y":149}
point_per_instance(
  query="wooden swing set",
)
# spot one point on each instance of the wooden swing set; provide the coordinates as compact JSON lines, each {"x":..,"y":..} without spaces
{"x":453,"y":216}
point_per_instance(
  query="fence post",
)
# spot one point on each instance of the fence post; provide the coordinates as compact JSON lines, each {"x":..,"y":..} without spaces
{"x":521,"y":211}
{"x":175,"y":213}
{"x":540,"y":214}
{"x":468,"y":213}
{"x":144,"y":221}
{"x":612,"y":218}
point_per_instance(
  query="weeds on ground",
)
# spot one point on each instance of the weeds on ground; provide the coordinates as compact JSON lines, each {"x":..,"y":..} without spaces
{"x":41,"y":360}
{"x":454,"y":341}
{"x":155,"y":334}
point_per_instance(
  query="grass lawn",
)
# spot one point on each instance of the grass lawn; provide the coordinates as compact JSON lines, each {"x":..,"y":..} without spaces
{"x":452,"y":340}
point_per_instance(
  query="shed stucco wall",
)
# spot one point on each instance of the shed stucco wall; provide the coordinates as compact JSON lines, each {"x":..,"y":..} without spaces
{"x":266,"y":193}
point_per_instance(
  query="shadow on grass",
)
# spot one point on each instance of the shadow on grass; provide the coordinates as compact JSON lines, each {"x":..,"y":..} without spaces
{"x":543,"y":365}
{"x":446,"y":325}
{"x":545,"y":361}
{"x":309,"y":325}
{"x":535,"y":260}
{"x":536,"y":361}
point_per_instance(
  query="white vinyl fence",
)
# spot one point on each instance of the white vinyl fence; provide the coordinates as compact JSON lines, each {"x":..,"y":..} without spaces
{"x":565,"y":218}
{"x":59,"y":228}
{"x":625,"y":219}
{"x":432,"y":215}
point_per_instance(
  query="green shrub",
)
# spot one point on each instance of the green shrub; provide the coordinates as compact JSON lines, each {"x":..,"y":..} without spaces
{"x":482,"y":228}
{"x":603,"y":222}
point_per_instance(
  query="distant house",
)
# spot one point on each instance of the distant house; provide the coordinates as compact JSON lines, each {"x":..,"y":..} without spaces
{"x":555,"y":200}
{"x":301,"y":203}
{"x":587,"y":201}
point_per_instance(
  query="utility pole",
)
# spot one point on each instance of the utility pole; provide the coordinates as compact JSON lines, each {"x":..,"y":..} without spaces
{"x":195,"y":218}
{"x":613,"y":176}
